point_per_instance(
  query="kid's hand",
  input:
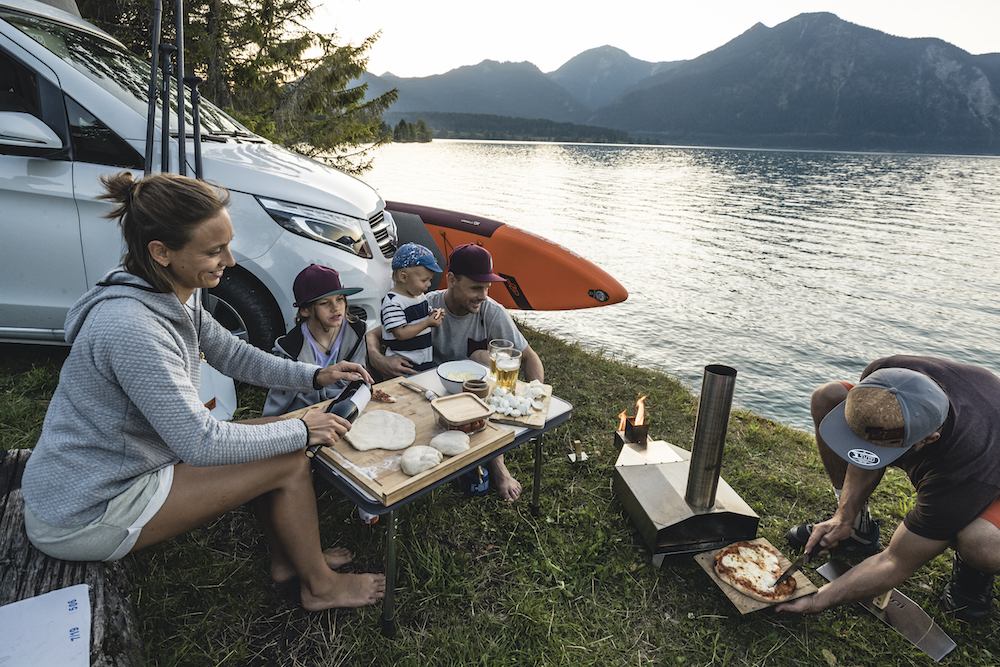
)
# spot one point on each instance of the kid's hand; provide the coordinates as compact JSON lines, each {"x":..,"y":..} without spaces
{"x":436,"y":317}
{"x":343,"y":370}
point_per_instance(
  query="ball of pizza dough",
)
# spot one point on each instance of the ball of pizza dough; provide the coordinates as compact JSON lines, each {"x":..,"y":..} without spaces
{"x":419,"y":458}
{"x":451,"y":443}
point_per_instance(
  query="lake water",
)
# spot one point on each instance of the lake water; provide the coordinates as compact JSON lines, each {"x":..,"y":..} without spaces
{"x":794,"y":268}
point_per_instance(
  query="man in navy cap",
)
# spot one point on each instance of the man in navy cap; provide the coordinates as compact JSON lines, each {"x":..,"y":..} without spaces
{"x":940,"y":422}
{"x":472,"y":319}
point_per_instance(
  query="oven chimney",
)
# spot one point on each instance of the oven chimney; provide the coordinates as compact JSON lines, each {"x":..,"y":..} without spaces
{"x":710,"y":436}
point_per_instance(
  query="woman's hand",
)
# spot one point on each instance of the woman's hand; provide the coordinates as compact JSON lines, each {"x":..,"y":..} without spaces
{"x":343,"y":370}
{"x":325,"y":428}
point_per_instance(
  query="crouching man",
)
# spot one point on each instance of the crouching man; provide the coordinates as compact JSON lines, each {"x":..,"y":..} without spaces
{"x":940,"y":422}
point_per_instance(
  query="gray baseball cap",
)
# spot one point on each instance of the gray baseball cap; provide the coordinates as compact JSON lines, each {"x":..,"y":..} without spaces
{"x":884,"y":415}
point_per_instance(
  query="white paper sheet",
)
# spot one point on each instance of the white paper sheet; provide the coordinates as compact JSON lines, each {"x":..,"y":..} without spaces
{"x":50,"y":630}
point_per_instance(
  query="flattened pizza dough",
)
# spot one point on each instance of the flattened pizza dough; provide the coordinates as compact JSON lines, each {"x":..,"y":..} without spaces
{"x":381,"y":429}
{"x":752,"y":569}
{"x":419,"y":458}
{"x":451,"y":443}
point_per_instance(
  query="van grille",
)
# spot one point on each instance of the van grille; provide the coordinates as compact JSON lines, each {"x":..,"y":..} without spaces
{"x":381,"y":230}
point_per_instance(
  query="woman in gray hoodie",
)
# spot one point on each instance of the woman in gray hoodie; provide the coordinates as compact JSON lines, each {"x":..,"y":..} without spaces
{"x":146,"y":459}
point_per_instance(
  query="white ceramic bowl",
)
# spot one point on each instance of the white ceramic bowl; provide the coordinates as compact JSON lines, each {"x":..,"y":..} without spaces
{"x":462,"y":366}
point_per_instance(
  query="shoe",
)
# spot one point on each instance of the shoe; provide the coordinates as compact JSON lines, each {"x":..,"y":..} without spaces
{"x":969,"y":593}
{"x":860,"y":543}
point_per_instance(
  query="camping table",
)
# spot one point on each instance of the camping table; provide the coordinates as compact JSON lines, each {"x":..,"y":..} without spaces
{"x":559,"y":412}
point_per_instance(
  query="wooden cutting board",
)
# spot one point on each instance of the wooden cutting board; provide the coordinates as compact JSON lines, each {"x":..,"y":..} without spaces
{"x":744,"y":603}
{"x":537,"y":418}
{"x":378,"y":471}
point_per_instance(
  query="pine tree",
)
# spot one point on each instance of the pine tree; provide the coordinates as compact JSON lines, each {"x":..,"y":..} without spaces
{"x":422,"y":132}
{"x":256,"y":59}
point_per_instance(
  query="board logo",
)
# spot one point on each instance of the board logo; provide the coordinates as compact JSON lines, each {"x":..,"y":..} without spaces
{"x":863,"y":457}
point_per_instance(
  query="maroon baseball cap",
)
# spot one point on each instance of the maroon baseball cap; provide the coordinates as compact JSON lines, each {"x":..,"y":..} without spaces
{"x":474,"y":262}
{"x":315,"y":281}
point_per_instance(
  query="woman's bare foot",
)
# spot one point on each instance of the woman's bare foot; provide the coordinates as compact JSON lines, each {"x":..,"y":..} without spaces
{"x":335,"y":557}
{"x":344,"y":590}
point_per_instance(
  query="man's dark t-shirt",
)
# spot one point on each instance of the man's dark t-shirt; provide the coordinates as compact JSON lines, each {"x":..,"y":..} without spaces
{"x":958,"y":476}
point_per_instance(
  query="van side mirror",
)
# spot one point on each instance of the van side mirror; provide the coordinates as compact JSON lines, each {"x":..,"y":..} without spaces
{"x":22,"y":130}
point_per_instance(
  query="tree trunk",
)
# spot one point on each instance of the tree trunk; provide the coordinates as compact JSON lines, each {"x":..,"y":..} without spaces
{"x":26,"y":572}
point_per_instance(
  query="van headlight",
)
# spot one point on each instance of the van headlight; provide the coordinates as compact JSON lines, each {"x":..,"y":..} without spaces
{"x":336,"y":229}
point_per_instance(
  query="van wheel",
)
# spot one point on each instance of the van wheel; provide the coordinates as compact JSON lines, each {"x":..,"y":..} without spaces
{"x":247,"y":309}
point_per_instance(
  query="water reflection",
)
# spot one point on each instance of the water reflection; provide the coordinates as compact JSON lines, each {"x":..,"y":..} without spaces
{"x":792,"y":267}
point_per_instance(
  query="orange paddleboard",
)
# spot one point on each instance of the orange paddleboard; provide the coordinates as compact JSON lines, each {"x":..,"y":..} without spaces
{"x":541,"y":275}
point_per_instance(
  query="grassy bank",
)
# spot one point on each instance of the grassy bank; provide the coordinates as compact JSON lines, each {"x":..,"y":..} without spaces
{"x":485,"y":583}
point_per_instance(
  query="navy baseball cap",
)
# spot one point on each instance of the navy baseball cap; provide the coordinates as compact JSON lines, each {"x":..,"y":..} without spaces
{"x":883,"y":416}
{"x":315,"y":281}
{"x":414,"y":254}
{"x":474,"y":262}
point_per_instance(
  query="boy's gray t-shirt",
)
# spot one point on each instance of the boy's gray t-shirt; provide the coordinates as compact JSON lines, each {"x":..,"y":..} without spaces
{"x":458,"y":336}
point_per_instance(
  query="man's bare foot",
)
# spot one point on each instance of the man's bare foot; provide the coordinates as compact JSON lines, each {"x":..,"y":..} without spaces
{"x":508,"y":487}
{"x":344,"y":590}
{"x":335,"y":557}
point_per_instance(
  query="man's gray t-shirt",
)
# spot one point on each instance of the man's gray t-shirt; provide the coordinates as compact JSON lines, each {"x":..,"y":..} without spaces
{"x":459,"y":336}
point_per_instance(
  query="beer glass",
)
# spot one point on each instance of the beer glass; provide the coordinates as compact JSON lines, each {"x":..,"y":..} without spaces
{"x":508,"y":364}
{"x":495,"y":346}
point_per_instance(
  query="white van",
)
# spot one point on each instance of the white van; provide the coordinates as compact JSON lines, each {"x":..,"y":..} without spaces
{"x":73,"y":105}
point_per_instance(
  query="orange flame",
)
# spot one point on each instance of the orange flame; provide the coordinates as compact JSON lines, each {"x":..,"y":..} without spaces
{"x":640,"y":411}
{"x":621,"y":421}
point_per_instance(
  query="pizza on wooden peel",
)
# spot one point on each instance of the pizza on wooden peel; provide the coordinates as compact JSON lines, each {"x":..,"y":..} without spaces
{"x":752,"y":569}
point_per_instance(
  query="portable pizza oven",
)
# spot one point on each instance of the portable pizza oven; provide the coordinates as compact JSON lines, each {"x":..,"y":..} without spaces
{"x":677,"y":498}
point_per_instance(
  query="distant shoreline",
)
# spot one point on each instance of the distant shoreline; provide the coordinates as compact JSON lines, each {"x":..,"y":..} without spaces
{"x":721,"y":147}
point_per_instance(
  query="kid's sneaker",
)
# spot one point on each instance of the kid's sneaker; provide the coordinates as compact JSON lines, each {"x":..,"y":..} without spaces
{"x":969,"y":593}
{"x":861,"y":542}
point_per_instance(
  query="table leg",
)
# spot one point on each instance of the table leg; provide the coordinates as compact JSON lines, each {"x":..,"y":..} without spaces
{"x":389,"y":603}
{"x":538,"y":476}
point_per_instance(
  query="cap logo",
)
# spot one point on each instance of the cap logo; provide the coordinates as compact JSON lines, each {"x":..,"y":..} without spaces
{"x":863,"y":457}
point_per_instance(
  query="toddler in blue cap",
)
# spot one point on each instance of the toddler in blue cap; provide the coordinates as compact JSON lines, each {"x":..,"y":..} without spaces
{"x":406,"y":316}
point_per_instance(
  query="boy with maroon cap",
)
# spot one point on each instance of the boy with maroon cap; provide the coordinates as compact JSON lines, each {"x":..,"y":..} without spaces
{"x":940,"y":422}
{"x":472,"y":319}
{"x":324,"y":333}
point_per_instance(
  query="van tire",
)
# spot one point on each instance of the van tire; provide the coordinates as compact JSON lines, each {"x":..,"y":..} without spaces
{"x":245,"y":307}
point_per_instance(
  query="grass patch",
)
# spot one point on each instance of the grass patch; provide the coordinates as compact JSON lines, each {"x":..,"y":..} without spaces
{"x":481,"y":582}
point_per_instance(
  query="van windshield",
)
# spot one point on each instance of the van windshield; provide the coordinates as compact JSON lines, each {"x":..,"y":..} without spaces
{"x":116,"y":70}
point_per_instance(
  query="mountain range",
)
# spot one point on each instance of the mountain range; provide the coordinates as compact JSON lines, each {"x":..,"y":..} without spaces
{"x":814,"y":81}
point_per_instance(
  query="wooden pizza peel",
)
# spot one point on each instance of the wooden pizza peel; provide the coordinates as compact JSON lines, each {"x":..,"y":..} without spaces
{"x":744,"y":603}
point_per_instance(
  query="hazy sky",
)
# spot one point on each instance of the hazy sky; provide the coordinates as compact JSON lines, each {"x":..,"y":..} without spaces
{"x":432,"y":37}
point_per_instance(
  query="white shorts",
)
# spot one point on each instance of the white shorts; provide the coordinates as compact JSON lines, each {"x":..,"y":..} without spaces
{"x":111,"y":536}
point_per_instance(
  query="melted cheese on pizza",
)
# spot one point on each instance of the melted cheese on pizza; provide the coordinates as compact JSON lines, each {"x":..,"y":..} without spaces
{"x":753,"y":569}
{"x":755,"y":566}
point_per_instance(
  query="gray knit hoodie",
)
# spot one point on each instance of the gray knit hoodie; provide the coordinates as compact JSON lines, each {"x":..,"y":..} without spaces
{"x":127,"y":402}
